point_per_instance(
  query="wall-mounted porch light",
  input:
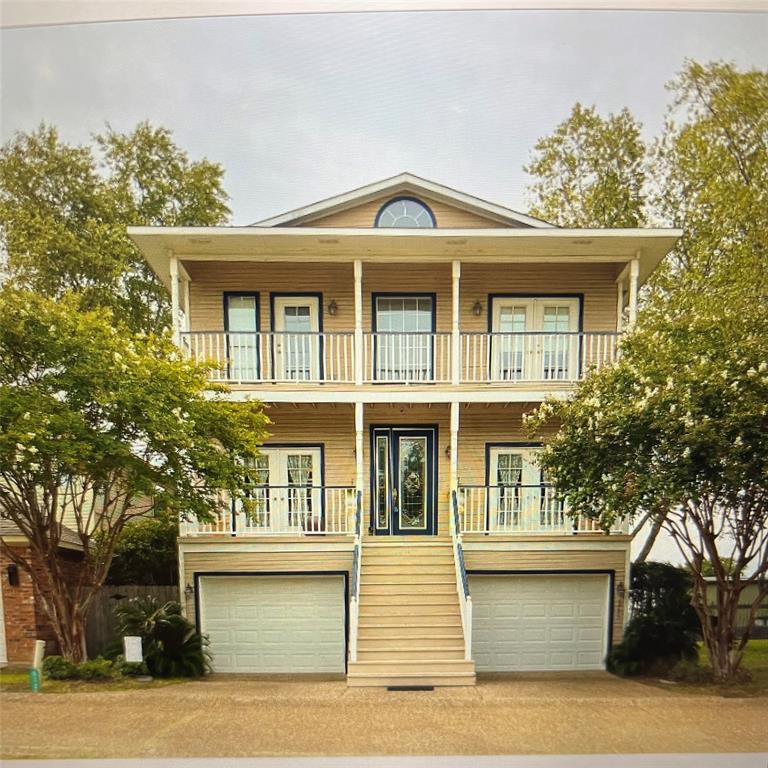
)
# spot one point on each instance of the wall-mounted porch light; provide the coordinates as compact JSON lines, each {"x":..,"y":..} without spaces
{"x":13,"y":575}
{"x":620,"y":590}
{"x":477,"y":308}
{"x":189,"y":590}
{"x":333,"y":308}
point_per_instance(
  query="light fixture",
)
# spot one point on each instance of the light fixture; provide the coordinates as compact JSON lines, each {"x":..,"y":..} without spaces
{"x":620,"y":590}
{"x":477,"y":308}
{"x":333,"y":308}
{"x":448,"y":451}
{"x":189,"y":590}
{"x":13,"y":575}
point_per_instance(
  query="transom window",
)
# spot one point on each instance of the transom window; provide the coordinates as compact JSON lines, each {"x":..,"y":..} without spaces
{"x":405,"y":212}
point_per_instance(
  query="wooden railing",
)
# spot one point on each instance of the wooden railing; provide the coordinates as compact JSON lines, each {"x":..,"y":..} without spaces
{"x":357,"y":564}
{"x":407,"y":358}
{"x":532,"y":356}
{"x":283,"y":511}
{"x":462,"y":581}
{"x":520,"y":509}
{"x":245,"y":357}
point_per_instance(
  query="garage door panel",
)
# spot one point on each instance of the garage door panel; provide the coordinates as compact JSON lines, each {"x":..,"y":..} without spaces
{"x":274,"y":624}
{"x":539,"y":622}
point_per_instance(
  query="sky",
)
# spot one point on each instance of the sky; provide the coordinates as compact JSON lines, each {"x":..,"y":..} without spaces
{"x":298,"y":108}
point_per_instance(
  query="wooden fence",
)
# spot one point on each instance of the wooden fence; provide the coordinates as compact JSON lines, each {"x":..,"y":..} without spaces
{"x":102,"y":627}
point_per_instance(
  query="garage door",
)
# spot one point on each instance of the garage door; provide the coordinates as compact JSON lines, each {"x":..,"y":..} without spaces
{"x":539,"y":622}
{"x":274,"y":623}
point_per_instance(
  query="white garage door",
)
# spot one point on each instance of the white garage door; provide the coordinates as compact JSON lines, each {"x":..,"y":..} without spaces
{"x":539,"y":622}
{"x":274,"y":623}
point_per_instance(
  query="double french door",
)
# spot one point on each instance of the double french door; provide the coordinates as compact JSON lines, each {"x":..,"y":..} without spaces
{"x":285,"y":490}
{"x":404,"y":480}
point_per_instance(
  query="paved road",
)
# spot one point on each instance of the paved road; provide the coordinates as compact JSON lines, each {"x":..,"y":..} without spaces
{"x":247,"y":717}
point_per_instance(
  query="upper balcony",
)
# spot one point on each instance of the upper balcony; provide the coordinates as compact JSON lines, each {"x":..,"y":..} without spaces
{"x":515,"y":358}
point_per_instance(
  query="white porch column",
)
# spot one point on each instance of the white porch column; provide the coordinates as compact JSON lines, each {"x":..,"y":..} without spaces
{"x":455,"y":337}
{"x":454,"y":447}
{"x":359,"y":473}
{"x":187,"y":320}
{"x":358,"y":267}
{"x":619,"y":306}
{"x":174,"y":269}
{"x":634,"y":276}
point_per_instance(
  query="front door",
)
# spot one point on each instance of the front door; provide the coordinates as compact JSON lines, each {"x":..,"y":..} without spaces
{"x":404,"y":481}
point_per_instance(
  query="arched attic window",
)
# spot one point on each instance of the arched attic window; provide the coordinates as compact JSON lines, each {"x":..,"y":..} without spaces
{"x":405,"y":212}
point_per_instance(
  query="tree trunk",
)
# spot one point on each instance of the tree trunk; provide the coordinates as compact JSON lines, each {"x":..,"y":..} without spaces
{"x":719,"y":629}
{"x":650,"y":540}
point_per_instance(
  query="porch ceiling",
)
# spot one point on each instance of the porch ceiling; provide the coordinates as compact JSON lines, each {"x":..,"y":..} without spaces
{"x":328,"y":244}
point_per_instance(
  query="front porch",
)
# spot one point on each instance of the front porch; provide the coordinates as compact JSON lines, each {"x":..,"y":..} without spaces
{"x":328,"y":470}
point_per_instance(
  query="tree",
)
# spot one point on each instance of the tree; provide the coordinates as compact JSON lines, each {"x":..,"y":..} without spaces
{"x":99,"y":425}
{"x":678,"y":429}
{"x":64,"y":212}
{"x":710,"y":174}
{"x":590,"y":171}
{"x":146,"y":553}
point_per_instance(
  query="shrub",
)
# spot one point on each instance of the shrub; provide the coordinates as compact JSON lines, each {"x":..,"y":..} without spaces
{"x":132,"y":668}
{"x":59,"y":668}
{"x":145,"y":552}
{"x":171,"y":645}
{"x":664,"y":628}
{"x":96,"y":669}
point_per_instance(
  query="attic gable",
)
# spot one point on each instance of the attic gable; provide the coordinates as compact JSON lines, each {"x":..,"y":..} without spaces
{"x":359,"y":208}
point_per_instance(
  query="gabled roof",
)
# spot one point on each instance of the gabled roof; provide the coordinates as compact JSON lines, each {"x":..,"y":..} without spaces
{"x":403,"y":182}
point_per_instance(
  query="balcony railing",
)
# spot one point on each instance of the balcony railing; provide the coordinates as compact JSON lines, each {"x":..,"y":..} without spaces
{"x":286,"y":510}
{"x":407,"y":358}
{"x":401,"y":358}
{"x":248,"y":357}
{"x":520,"y":509}
{"x":533,"y":356}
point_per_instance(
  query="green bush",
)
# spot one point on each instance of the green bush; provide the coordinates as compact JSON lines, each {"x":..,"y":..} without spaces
{"x":171,"y":645}
{"x":146,"y":552}
{"x":664,"y":628}
{"x":96,"y":669}
{"x":132,"y":668}
{"x":59,"y":668}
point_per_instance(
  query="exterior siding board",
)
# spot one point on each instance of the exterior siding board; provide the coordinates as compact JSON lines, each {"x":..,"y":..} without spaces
{"x":447,"y":216}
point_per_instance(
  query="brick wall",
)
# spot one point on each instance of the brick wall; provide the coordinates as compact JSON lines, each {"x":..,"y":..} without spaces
{"x":25,"y":619}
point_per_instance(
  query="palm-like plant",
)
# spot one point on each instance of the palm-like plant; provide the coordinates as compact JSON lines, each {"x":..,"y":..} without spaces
{"x":172,"y":646}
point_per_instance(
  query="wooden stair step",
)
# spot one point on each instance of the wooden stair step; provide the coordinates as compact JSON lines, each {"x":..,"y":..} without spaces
{"x":396,"y":655}
{"x":413,"y":667}
{"x":417,"y":636}
{"x":408,"y":599}
{"x":407,"y":569}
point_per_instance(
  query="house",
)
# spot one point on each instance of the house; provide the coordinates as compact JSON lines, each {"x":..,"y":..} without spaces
{"x":23,"y":619}
{"x":398,"y":528}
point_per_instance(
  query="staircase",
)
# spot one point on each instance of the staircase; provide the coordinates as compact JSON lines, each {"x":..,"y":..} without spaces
{"x":409,"y":630}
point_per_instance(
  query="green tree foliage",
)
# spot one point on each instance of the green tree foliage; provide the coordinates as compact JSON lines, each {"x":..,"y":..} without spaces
{"x":663,"y":628}
{"x":94,"y":422}
{"x":590,"y":171}
{"x":64,"y":211}
{"x":710,"y":174}
{"x":145,"y":552}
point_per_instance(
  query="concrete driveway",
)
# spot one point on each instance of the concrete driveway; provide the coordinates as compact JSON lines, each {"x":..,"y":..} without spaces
{"x":247,"y":716}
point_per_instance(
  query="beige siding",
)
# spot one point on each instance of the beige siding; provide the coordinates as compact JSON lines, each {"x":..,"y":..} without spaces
{"x":261,"y":562}
{"x":210,"y":280}
{"x":557,"y":560}
{"x":595,"y":281}
{"x":446,"y":216}
{"x":332,"y":427}
{"x":335,"y":281}
{"x":480,"y":424}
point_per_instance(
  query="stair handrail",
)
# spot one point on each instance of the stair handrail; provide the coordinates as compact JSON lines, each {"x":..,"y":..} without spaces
{"x":462,"y":582}
{"x":357,"y":560}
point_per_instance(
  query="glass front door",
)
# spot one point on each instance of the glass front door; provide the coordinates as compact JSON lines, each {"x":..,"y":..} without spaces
{"x":404,"y":480}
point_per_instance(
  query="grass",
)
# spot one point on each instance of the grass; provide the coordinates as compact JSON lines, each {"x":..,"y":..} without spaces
{"x":16,"y":680}
{"x":755,"y":661}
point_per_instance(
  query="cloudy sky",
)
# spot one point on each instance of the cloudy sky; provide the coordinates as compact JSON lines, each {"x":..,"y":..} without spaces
{"x":298,"y":108}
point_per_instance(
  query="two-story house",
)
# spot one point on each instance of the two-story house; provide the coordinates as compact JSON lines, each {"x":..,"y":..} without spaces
{"x":398,"y":527}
